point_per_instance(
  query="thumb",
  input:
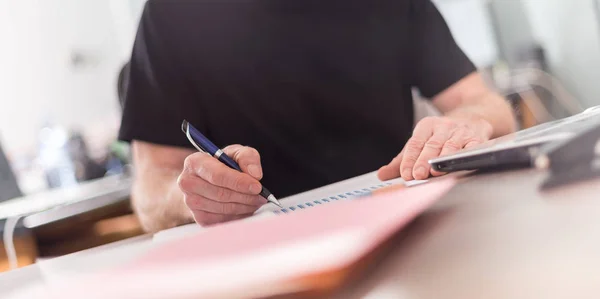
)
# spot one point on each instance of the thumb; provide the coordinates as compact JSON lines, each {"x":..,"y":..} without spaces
{"x":247,"y":157}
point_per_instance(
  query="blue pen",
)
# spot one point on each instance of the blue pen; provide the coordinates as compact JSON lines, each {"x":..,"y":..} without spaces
{"x":200,"y":142}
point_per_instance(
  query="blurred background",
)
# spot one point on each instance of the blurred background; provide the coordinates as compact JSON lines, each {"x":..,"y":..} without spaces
{"x":60,"y":66}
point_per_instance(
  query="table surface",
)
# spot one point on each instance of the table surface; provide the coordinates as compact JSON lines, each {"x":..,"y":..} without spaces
{"x":493,"y":236}
{"x":106,"y":187}
{"x":497,"y":236}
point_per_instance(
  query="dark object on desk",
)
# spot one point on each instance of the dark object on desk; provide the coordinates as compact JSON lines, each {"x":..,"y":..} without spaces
{"x":99,"y":212}
{"x":86,"y":168}
{"x":572,"y":160}
{"x":8,"y":183}
{"x":517,"y":150}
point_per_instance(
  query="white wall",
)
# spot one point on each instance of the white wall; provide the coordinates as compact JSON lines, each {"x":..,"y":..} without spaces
{"x":472,"y":29}
{"x":569,"y":31}
{"x":38,"y":81}
{"x":22,"y":83}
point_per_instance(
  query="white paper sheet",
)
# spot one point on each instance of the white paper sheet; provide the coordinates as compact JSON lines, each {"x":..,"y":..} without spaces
{"x":367,"y":181}
{"x":340,"y":191}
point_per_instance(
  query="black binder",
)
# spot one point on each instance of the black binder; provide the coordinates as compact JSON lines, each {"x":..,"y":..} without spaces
{"x":572,"y":160}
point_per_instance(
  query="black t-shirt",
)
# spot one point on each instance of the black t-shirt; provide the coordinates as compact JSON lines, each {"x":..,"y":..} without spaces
{"x":322,"y":88}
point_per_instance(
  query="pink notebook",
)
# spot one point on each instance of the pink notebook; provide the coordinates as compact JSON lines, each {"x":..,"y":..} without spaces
{"x":260,"y":257}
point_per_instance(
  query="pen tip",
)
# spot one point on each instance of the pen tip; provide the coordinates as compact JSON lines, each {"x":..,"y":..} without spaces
{"x":184,"y":126}
{"x":274,"y":200}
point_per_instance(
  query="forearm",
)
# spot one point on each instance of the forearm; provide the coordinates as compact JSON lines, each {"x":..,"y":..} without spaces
{"x":491,"y":108}
{"x":158,"y":201}
{"x":156,"y":197}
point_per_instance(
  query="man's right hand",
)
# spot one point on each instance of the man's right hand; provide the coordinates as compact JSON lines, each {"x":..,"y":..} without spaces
{"x":216,"y":193}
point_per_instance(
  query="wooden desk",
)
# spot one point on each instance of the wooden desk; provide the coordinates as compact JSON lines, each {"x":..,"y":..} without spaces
{"x":83,"y":262}
{"x":63,"y":221}
{"x":27,"y":251}
{"x":492,"y":236}
{"x":497,"y":236}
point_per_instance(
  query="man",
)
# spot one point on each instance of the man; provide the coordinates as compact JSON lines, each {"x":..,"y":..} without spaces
{"x":321,"y":89}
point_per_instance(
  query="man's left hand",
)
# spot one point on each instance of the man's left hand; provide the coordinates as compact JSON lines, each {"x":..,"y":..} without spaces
{"x":434,"y":137}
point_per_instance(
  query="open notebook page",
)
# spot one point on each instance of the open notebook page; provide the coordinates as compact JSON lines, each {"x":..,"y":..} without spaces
{"x":263,"y":257}
{"x":336,"y":192}
{"x":340,"y":191}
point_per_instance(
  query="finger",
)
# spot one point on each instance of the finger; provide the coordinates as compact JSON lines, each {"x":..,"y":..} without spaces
{"x":436,"y":173}
{"x":193,"y":185}
{"x":206,"y":218}
{"x":455,"y":143}
{"x":413,"y":149}
{"x":200,"y":203}
{"x":431,"y":149}
{"x":217,"y":173}
{"x":473,"y":143}
{"x":391,"y":170}
{"x":247,"y":157}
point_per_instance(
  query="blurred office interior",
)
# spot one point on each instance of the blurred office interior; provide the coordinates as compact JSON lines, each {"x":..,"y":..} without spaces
{"x":60,"y":111}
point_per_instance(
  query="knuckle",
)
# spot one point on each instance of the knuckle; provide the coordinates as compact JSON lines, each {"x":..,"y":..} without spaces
{"x":452,"y":144}
{"x":256,"y":201}
{"x":473,"y":140}
{"x":215,"y":177}
{"x":193,"y":203}
{"x":233,"y":150}
{"x":184,"y":182}
{"x":188,"y":164}
{"x":249,"y":200}
{"x":237,"y":183}
{"x":203,"y":170}
{"x":434,"y":144}
{"x":413,"y":145}
{"x":253,"y":152}
{"x":408,"y":161}
{"x":221,"y":194}
{"x":247,"y":155}
{"x":195,"y":160}
{"x":229,"y":209}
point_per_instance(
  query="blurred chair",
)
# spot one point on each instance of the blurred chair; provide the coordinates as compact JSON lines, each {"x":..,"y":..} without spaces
{"x":8,"y":183}
{"x":21,"y":239}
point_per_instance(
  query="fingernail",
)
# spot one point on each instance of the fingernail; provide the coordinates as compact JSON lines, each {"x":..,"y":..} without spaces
{"x":254,"y":171}
{"x":421,"y":173}
{"x":406,"y":173}
{"x":255,"y":188}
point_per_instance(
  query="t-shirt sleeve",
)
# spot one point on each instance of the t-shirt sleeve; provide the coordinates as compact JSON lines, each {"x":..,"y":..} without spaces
{"x":438,"y":62}
{"x":156,"y":95}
